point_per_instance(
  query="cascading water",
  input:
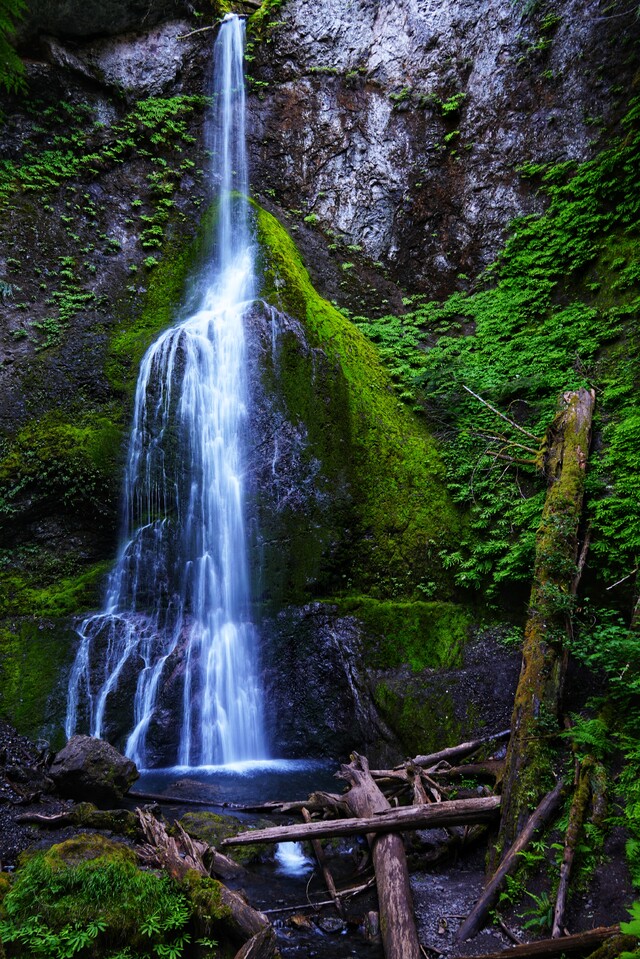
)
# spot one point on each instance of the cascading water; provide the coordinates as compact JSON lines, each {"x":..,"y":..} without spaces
{"x":178,"y":597}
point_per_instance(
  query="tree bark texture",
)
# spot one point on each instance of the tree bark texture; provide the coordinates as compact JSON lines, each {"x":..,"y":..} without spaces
{"x":539,"y":691}
{"x":576,"y":819}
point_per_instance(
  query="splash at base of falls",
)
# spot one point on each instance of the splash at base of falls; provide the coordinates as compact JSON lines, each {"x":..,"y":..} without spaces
{"x":291,"y":859}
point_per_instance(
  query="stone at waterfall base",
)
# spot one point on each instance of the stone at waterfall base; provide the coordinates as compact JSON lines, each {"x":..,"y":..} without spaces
{"x":91,"y":769}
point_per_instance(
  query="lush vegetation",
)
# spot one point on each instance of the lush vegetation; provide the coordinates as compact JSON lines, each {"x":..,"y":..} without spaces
{"x":87,"y":897}
{"x":558,"y":310}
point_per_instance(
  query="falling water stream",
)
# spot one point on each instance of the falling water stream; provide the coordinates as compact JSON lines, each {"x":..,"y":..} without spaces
{"x":178,"y":598}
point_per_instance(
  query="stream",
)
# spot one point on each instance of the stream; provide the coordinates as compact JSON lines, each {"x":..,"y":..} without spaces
{"x":291,"y":876}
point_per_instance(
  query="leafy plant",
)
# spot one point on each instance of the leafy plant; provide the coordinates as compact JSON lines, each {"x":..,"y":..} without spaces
{"x":535,"y":325}
{"x":453,"y":103}
{"x":62,"y":904}
{"x":540,"y":914}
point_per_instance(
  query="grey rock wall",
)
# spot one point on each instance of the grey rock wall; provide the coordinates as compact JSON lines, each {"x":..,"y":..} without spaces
{"x":357,"y":124}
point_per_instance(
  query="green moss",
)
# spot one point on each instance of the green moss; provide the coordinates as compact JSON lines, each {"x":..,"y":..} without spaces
{"x":71,"y":463}
{"x":213,"y":828}
{"x":122,"y":822}
{"x":422,"y":635}
{"x":420,"y":713}
{"x":20,"y":596}
{"x":260,"y":22}
{"x":205,"y":897}
{"x":87,"y":896}
{"x":402,"y":514}
{"x":32,"y":658}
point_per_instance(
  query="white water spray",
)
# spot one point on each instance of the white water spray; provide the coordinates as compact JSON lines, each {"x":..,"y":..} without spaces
{"x":178,"y":597}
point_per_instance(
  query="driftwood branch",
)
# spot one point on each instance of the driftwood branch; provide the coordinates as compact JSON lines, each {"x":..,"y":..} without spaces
{"x":458,"y":812}
{"x":581,"y":942}
{"x":478,"y":915}
{"x":318,"y":904}
{"x":180,"y":853}
{"x":576,"y":820}
{"x":455,"y":752}
{"x":261,"y":946}
{"x":501,"y":415}
{"x":322,"y":862}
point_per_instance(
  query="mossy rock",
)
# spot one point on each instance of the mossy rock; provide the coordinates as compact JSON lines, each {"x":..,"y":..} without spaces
{"x":121,"y":822}
{"x":33,"y":656}
{"x":62,"y":464}
{"x":402,"y":515}
{"x":212,"y":828}
{"x":422,"y":714}
{"x":420,"y":634}
{"x":90,"y":891}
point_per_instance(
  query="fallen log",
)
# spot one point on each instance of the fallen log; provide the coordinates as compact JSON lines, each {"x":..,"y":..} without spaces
{"x":459,"y":812}
{"x":180,"y":854}
{"x":175,"y":854}
{"x":490,"y":768}
{"x":175,"y":800}
{"x":549,"y":618}
{"x":463,"y":749}
{"x":478,"y":915}
{"x":284,"y":808}
{"x":260,"y":946}
{"x":397,"y":921}
{"x":580,"y":942}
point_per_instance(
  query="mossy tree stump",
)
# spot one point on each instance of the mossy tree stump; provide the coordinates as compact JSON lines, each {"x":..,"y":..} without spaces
{"x":537,"y":702}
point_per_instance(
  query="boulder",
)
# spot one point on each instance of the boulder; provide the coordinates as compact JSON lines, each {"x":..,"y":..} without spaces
{"x":91,"y":769}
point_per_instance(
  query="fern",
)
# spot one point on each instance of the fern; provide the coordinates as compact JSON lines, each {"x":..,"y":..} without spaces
{"x":11,"y":66}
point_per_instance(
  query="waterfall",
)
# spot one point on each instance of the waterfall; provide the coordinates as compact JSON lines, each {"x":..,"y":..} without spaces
{"x":176,"y":614}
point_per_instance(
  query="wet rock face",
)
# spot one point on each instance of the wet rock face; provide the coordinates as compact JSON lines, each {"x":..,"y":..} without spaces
{"x":402,"y":125}
{"x":142,"y":64}
{"x":317,"y":699}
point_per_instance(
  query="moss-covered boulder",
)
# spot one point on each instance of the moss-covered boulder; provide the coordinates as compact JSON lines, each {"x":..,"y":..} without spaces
{"x":89,"y":768}
{"x":212,"y":828}
{"x":88,"y":896}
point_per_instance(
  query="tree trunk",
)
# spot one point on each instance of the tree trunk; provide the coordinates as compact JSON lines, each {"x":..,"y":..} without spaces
{"x":537,"y":700}
{"x":397,"y":922}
